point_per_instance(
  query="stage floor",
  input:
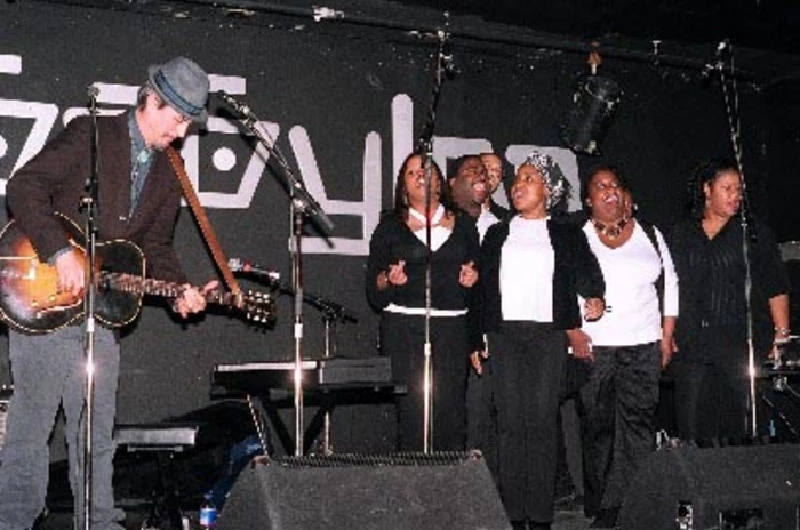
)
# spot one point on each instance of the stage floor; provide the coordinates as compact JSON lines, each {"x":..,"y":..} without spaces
{"x":63,"y":520}
{"x":570,"y":518}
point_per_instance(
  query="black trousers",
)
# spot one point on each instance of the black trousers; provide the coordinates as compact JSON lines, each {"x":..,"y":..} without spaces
{"x":482,"y":414}
{"x":618,"y":405}
{"x":711,"y":387}
{"x":403,"y":338}
{"x":529,"y":364}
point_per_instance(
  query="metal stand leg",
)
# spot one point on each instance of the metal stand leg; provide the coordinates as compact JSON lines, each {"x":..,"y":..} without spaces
{"x":165,"y":499}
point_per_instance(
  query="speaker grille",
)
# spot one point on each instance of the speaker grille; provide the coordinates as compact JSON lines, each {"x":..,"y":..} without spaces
{"x":444,"y":458}
{"x":410,"y":491}
{"x":713,"y":481}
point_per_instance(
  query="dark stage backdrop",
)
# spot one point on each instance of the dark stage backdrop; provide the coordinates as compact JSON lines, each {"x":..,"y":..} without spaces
{"x":345,"y":105}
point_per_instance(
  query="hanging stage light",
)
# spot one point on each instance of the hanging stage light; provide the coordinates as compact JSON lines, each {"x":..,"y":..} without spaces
{"x":594,"y":103}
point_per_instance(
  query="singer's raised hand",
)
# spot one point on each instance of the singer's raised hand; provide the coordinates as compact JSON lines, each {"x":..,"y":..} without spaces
{"x":593,"y":308}
{"x":397,"y":273}
{"x":468,"y":275}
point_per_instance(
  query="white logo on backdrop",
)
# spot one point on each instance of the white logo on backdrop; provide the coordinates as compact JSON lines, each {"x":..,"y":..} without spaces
{"x":367,"y":208}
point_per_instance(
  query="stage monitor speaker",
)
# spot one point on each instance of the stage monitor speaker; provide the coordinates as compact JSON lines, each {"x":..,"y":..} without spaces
{"x":411,"y":491}
{"x":752,"y":487}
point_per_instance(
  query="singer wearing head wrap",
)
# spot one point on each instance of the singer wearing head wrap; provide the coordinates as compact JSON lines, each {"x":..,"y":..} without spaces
{"x":532,"y":269}
{"x":395,"y":281}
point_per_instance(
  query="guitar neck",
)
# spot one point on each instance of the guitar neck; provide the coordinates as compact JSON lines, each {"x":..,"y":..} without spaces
{"x":147,"y":286}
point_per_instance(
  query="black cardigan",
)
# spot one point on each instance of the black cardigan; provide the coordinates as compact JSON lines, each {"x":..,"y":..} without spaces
{"x":392,"y":241}
{"x":576,"y":272}
{"x":712,"y":276}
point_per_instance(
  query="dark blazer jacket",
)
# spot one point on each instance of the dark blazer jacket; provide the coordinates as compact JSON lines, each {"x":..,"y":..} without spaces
{"x":54,"y":180}
{"x":576,"y":272}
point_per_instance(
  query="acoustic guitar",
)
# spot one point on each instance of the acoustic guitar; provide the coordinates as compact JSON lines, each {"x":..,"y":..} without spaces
{"x":30,"y":300}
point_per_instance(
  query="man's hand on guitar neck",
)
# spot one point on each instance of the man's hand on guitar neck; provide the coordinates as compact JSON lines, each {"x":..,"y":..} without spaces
{"x":193,"y":300}
{"x":71,"y":273}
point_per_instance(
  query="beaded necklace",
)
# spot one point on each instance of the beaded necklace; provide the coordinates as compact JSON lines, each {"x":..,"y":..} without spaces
{"x":611,"y":230}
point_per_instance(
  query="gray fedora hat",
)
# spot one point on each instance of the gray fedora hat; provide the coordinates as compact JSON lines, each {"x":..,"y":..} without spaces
{"x":183,"y":85}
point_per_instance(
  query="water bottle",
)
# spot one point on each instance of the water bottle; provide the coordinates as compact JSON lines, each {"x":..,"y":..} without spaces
{"x":208,"y":512}
{"x":773,"y":431}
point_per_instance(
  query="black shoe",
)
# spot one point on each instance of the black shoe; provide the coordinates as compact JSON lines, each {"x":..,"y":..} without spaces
{"x":40,"y":519}
{"x":571,"y":503}
{"x":606,"y":518}
{"x":538,"y":526}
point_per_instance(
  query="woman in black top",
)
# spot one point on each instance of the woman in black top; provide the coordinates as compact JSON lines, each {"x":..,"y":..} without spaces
{"x":396,"y":286}
{"x":711,"y":364}
{"x":532,"y":269}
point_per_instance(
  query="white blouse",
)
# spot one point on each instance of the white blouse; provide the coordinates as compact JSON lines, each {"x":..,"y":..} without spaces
{"x":630,"y":271}
{"x":526,"y":271}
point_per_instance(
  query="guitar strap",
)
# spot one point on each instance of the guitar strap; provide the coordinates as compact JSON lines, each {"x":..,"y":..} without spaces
{"x":208,"y":233}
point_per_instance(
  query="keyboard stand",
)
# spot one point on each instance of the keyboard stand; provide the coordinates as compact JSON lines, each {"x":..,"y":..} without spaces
{"x":328,"y":382}
{"x":163,"y":441}
{"x":326,"y":398}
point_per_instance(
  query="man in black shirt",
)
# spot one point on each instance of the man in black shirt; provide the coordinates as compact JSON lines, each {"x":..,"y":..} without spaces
{"x":471,"y":187}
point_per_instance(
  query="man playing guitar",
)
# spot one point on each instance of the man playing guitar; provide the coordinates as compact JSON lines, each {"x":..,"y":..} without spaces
{"x":138,"y":200}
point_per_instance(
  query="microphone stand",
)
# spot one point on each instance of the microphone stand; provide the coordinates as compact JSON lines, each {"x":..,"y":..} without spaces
{"x":89,"y":203}
{"x":734,"y":127}
{"x":302,"y":205}
{"x":332,"y":313}
{"x":425,"y":147}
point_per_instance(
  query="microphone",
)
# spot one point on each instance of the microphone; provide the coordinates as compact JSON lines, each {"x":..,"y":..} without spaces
{"x":717,"y":65}
{"x":239,"y":265}
{"x":92,"y":92}
{"x":446,"y":61}
{"x":238,"y":107}
{"x":332,"y":309}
